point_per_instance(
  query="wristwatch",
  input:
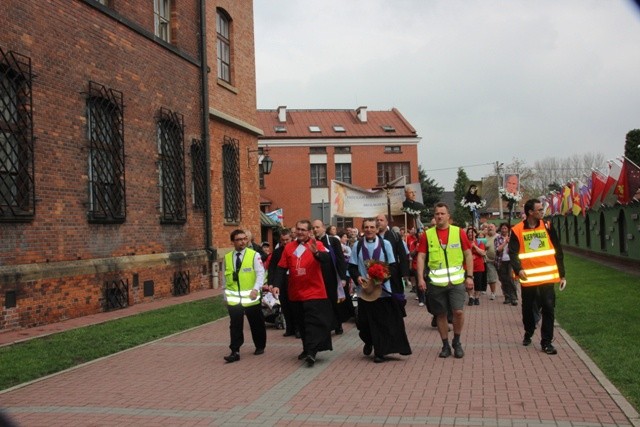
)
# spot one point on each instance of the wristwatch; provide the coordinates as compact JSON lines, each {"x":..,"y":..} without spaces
{"x":469,"y":277}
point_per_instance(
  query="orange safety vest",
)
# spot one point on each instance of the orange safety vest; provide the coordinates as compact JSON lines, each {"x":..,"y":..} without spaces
{"x":537,"y":254}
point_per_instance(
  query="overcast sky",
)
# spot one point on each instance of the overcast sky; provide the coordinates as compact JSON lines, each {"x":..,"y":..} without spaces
{"x":480,"y":80}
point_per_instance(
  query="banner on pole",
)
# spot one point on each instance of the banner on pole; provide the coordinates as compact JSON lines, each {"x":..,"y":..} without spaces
{"x":349,"y":200}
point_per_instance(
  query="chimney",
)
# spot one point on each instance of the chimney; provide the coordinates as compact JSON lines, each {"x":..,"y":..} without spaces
{"x":361,"y":112}
{"x":282,"y":114}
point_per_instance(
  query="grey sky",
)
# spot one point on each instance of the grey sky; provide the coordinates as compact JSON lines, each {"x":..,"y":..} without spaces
{"x":480,"y":80}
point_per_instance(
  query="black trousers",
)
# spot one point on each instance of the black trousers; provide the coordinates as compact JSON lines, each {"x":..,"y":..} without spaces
{"x":541,"y":297}
{"x":256,"y":323}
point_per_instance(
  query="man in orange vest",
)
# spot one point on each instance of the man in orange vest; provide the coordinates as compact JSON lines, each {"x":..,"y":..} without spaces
{"x":537,"y":260}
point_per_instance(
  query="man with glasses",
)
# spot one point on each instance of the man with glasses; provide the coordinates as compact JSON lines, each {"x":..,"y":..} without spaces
{"x":310,"y":307}
{"x":537,"y":259}
{"x":243,"y":274}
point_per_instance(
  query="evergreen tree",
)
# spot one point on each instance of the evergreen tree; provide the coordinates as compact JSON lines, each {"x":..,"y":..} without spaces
{"x":460,"y":214}
{"x":632,"y":146}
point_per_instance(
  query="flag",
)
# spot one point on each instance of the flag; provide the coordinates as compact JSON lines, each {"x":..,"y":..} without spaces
{"x":566,"y":200}
{"x":585,"y":197}
{"x":276,"y":215}
{"x":576,"y":206}
{"x":633,"y":181}
{"x":557,"y":203}
{"x":612,"y":179}
{"x":620,"y":189}
{"x":598,"y":182}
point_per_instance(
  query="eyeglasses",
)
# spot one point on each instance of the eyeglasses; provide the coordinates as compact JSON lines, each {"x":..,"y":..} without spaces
{"x":301,"y":229}
{"x":239,"y":239}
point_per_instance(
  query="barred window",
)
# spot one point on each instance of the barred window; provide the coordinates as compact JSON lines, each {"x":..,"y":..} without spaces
{"x":17,"y":195}
{"x":162,"y":19}
{"x":393,"y":170}
{"x":105,"y":120}
{"x":343,"y":172}
{"x":318,"y":175}
{"x":171,"y":167}
{"x":231,"y":179}
{"x":224,"y":46}
{"x":199,"y":171}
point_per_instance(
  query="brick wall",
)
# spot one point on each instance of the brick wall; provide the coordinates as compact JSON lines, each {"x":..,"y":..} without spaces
{"x":48,"y":262}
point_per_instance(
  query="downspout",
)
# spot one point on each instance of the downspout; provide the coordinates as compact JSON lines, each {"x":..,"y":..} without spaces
{"x":204,"y":79}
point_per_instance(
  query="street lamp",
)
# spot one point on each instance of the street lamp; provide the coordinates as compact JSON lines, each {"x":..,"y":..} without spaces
{"x":264,"y":159}
{"x":498,"y":168}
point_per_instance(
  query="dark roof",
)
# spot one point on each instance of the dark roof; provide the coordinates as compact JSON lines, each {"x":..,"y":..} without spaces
{"x":268,"y":222}
{"x":382,"y":124}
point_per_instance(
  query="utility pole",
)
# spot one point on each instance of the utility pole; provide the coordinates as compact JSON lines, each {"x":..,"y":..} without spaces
{"x":498,"y":168}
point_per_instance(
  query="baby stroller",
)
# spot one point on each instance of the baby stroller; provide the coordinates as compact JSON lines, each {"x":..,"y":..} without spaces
{"x":272,"y":311}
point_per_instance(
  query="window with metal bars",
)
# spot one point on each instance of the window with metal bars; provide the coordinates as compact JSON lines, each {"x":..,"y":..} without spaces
{"x":224,"y":46}
{"x":171,"y":167}
{"x":17,"y":195}
{"x":231,"y":179}
{"x":199,"y":171}
{"x":105,"y":126}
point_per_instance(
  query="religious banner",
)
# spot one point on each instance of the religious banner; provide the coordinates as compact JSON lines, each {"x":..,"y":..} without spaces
{"x":349,"y":200}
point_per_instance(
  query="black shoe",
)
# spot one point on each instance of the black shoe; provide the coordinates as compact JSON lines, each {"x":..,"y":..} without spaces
{"x":549,"y":349}
{"x":476,"y":301}
{"x":297,"y":334}
{"x":507,"y":301}
{"x":302,"y":355}
{"x":259,"y":351}
{"x":367,"y":349}
{"x":458,"y":352}
{"x":446,"y":352}
{"x":288,"y":334}
{"x":434,"y":322}
{"x":514,"y":302}
{"x":339,"y":331}
{"x":526,"y":340}
{"x":378,"y":359}
{"x":233,"y":357}
{"x":470,"y":301}
{"x":310,"y":359}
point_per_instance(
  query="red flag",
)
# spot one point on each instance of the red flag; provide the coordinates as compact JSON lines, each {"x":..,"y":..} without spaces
{"x":633,"y":181}
{"x":621,"y":190}
{"x":598,"y":182}
{"x":614,"y":175}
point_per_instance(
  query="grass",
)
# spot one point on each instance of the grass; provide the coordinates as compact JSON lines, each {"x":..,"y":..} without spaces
{"x":599,"y":309}
{"x":36,"y":358}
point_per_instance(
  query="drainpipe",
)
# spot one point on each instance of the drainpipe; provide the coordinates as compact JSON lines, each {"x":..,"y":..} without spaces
{"x":204,"y":80}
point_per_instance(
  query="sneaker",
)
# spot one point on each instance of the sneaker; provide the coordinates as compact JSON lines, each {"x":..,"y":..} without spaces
{"x":458,"y":352}
{"x":526,"y":340}
{"x":492,"y":297}
{"x":446,"y":352}
{"x":514,"y":303}
{"x":421,"y":304}
{"x":483,"y":292}
{"x":476,"y":301}
{"x":549,"y":349}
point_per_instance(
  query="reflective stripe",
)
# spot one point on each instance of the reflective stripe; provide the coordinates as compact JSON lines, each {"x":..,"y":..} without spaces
{"x":537,"y":254}
{"x":443,"y":278}
{"x":533,"y":271}
{"x":444,"y":271}
{"x":236,"y":300}
{"x":546,"y":278}
{"x":234,"y":292}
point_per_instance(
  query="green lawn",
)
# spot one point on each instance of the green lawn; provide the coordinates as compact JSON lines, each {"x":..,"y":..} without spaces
{"x":42,"y":356}
{"x":600,"y":310}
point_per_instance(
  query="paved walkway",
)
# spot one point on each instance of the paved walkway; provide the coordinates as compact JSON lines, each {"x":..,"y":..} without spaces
{"x":182,"y":380}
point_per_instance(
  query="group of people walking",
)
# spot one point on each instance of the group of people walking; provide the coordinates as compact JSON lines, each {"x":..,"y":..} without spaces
{"x":314,"y":274}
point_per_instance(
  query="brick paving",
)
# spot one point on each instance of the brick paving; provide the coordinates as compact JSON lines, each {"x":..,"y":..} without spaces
{"x":182,"y":380}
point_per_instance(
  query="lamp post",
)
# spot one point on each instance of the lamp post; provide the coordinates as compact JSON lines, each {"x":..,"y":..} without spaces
{"x":498,"y":168}
{"x":263,"y":159}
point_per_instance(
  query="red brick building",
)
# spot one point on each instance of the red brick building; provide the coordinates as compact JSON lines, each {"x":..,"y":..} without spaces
{"x":312,"y":147}
{"x":124,"y":151}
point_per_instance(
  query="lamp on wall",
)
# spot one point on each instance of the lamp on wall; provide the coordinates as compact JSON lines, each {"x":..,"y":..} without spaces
{"x":263,"y":159}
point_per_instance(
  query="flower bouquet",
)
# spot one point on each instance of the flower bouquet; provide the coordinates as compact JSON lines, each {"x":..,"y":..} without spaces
{"x":412,"y":212}
{"x":473,"y":206}
{"x":512,"y":198}
{"x":377,"y":273}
